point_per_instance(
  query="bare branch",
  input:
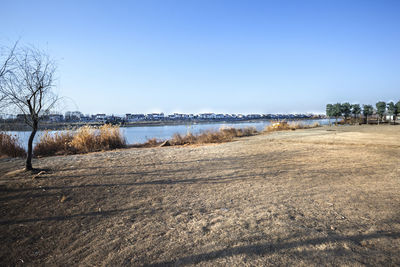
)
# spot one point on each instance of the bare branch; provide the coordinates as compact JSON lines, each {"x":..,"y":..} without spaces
{"x":29,"y":87}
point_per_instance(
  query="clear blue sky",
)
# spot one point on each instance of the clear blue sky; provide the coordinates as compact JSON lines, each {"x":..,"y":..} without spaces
{"x":221,"y":56}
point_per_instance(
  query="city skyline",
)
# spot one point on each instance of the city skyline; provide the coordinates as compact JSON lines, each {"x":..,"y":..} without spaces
{"x":208,"y":56}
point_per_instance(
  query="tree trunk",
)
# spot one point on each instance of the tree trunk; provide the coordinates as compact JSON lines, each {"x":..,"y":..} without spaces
{"x":28,"y":165}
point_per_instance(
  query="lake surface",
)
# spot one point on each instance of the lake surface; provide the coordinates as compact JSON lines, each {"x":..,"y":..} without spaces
{"x":143,"y":133}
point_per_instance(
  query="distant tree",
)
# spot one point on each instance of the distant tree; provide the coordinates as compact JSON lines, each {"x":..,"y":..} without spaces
{"x":398,"y":107}
{"x":380,"y":109}
{"x":329,"y":112}
{"x":392,"y":110}
{"x":345,"y":110}
{"x":355,"y":110}
{"x":368,"y":110}
{"x":337,"y":111}
{"x":28,"y":87}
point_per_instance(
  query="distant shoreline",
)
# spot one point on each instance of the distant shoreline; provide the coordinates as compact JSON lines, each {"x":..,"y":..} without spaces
{"x":19,"y":126}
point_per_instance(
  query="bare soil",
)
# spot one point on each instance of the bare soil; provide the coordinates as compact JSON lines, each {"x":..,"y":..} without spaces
{"x":323,"y":196}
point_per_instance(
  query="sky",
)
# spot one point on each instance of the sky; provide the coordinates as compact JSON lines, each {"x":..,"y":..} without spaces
{"x":190,"y":56}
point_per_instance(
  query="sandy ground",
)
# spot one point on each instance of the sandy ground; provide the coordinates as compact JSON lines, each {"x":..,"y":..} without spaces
{"x":324,"y":196}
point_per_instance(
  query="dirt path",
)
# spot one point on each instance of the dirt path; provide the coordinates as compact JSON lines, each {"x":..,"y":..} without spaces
{"x":325,"y":196}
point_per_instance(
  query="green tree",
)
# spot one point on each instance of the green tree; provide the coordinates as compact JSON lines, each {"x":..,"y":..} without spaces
{"x":337,"y":111}
{"x":398,"y":107}
{"x":355,"y":110}
{"x":368,"y":110}
{"x":380,"y":109}
{"x":393,"y":110}
{"x":345,"y":110}
{"x":329,"y":113}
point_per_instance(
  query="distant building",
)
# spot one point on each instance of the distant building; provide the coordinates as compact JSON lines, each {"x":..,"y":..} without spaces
{"x":73,"y":115}
{"x":206,"y":116}
{"x":253,"y":116}
{"x":55,"y":117}
{"x":100,"y":117}
{"x":134,"y":117}
{"x":155,"y":116}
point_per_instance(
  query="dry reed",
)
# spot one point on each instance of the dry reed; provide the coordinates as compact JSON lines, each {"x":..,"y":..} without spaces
{"x":223,"y":135}
{"x":85,"y":139}
{"x":284,"y":126}
{"x":10,"y":146}
{"x":54,"y":144}
{"x":153,"y":142}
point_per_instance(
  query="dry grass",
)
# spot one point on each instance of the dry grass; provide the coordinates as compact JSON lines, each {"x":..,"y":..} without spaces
{"x":54,"y":144}
{"x":292,"y":198}
{"x":86,"y":139}
{"x":10,"y":146}
{"x":153,"y":142}
{"x":107,"y":137}
{"x":284,"y":126}
{"x":221,"y":136}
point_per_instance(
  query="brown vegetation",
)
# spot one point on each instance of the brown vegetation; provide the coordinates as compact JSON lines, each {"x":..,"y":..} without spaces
{"x":221,"y":136}
{"x":10,"y":147}
{"x":90,"y":139}
{"x":85,"y":139}
{"x":153,"y":142}
{"x":54,"y":144}
{"x":284,"y":126}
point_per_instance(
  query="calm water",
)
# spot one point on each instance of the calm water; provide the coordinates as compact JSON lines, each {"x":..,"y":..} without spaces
{"x":142,"y":134}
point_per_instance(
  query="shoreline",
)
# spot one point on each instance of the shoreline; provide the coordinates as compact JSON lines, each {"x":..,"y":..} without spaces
{"x":22,"y":127}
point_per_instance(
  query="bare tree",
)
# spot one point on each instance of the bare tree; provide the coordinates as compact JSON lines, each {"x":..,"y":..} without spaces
{"x":29,"y":87}
{"x":6,"y":67}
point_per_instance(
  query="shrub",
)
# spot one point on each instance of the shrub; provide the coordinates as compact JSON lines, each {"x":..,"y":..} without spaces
{"x":10,"y":146}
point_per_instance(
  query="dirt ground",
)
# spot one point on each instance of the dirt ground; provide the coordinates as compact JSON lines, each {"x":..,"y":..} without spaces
{"x":323,"y":196}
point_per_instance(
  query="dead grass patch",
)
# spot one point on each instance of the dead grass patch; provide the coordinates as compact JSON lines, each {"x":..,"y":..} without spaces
{"x":54,"y":144}
{"x":85,"y":139}
{"x":10,"y":146}
{"x":221,"y":136}
{"x":285,"y":126}
{"x":153,"y":142}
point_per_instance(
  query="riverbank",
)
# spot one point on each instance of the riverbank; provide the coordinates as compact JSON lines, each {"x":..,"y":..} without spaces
{"x":306,"y":197}
{"x":20,"y":126}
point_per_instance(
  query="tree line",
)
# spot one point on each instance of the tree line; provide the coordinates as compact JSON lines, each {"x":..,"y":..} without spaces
{"x":347,"y":110}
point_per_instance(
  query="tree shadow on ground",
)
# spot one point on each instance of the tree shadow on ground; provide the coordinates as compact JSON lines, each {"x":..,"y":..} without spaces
{"x":105,"y":213}
{"x":271,"y":248}
{"x":197,"y":180}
